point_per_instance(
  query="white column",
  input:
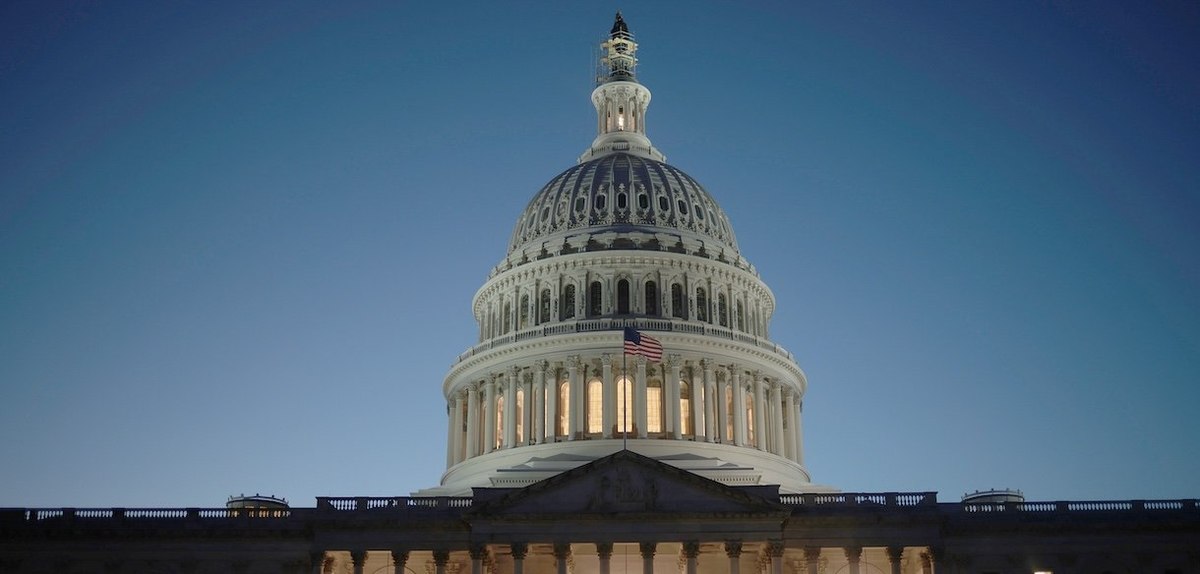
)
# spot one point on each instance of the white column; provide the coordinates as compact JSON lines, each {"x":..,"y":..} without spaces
{"x":789,"y":434}
{"x":854,"y":557}
{"x":673,"y":395}
{"x":489,"y":405}
{"x":691,"y":550}
{"x":739,"y":407}
{"x":539,"y":403}
{"x":575,"y":413}
{"x":722,"y":403}
{"x":472,"y":421}
{"x":609,"y":405}
{"x":518,"y":550}
{"x":733,"y":549}
{"x":510,"y":408}
{"x":459,"y":398}
{"x":760,"y":418}
{"x":777,"y":446}
{"x":647,"y":549}
{"x":812,"y":556}
{"x":604,"y":552}
{"x":894,"y":554}
{"x":639,"y":397}
{"x":450,"y":431}
{"x":799,"y":430}
{"x":710,"y":404}
{"x":527,"y":415}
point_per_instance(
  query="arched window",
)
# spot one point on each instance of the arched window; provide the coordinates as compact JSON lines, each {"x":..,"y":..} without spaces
{"x":678,"y":304}
{"x":654,"y":406}
{"x":651,"y":298}
{"x":568,"y":302}
{"x":685,"y":408}
{"x":623,"y":297}
{"x":564,"y":405}
{"x":722,"y":310}
{"x":741,"y":317}
{"x":701,"y":305}
{"x":595,"y":406}
{"x":624,"y":405}
{"x":595,"y":303}
{"x":544,"y":307}
{"x":524,"y":322}
{"x":507,"y":318}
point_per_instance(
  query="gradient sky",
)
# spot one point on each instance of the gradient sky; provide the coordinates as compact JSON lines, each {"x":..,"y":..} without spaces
{"x":239,"y":240}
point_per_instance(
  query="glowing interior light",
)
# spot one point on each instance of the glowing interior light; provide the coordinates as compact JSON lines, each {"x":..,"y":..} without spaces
{"x":620,"y":122}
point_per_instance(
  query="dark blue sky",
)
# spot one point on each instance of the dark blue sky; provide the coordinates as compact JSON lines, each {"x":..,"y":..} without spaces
{"x":238,"y":241}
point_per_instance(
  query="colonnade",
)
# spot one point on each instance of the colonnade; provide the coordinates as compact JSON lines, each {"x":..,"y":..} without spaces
{"x":691,"y":557}
{"x":581,"y":399}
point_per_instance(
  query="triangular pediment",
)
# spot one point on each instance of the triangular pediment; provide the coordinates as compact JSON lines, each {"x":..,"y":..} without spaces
{"x":625,"y":483}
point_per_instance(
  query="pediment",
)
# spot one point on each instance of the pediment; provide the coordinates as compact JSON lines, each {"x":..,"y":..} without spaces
{"x":625,"y":482}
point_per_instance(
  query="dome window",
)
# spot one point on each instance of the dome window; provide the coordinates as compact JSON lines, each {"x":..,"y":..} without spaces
{"x":595,"y":304}
{"x":699,"y":212}
{"x":623,"y":297}
{"x":651,"y":298}
{"x":683,"y":209}
{"x":580,"y":203}
{"x":643,"y":201}
{"x":622,"y":201}
{"x":701,"y":305}
{"x":545,"y":212}
{"x":663,"y":203}
{"x":568,"y":303}
{"x":678,"y":304}
{"x":601,"y":201}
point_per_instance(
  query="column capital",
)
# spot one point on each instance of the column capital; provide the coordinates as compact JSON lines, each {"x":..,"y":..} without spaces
{"x":774,"y":384}
{"x":358,"y":557}
{"x":604,"y":550}
{"x":441,"y":557}
{"x":812,"y":553}
{"x":691,"y":549}
{"x":544,"y":367}
{"x":647,"y":549}
{"x":640,"y":361}
{"x":519,"y":550}
{"x":461,"y":394}
{"x":575,"y":362}
{"x":775,"y":548}
{"x":756,"y":376}
{"x":673,"y":361}
{"x":853,"y":553}
{"x":894,"y":553}
{"x":606,"y":359}
{"x":733,"y":548}
{"x":706,"y":364}
{"x":562,"y":550}
{"x":477,"y":551}
{"x":514,"y":372}
{"x":400,"y":558}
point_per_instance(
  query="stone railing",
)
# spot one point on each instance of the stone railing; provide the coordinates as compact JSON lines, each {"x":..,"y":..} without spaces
{"x":450,"y":505}
{"x":357,"y":503}
{"x":616,"y":324}
{"x":863,"y":499}
{"x":84,"y":514}
{"x":1081,"y":506}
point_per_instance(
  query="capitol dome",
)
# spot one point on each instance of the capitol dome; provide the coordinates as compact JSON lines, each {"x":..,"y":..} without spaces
{"x":623,"y":247}
{"x":625,"y":194}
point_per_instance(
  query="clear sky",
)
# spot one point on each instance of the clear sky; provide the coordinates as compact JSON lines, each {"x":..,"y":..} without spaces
{"x":239,"y":240}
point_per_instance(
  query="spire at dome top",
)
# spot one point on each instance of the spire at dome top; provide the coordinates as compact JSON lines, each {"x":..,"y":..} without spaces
{"x":619,"y":29}
{"x":619,"y":58}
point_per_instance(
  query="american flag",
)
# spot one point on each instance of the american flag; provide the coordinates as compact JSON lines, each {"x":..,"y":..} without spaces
{"x":644,"y":345}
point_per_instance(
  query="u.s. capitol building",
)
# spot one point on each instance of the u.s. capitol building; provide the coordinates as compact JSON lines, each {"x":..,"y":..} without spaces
{"x":567,"y":455}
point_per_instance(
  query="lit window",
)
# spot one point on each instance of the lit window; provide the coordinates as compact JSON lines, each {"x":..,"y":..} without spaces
{"x":685,"y":408}
{"x":564,"y":403}
{"x":654,"y":407}
{"x":520,"y":422}
{"x":625,"y":404}
{"x":595,"y":402}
